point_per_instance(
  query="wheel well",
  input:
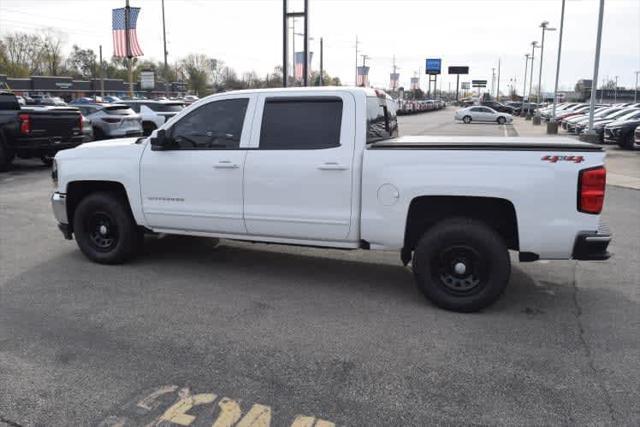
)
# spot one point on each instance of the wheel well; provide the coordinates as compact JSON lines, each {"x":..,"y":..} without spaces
{"x":78,"y":190}
{"x":425,"y":211}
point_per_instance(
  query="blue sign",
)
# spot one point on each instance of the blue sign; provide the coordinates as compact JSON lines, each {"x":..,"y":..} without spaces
{"x":433,"y":65}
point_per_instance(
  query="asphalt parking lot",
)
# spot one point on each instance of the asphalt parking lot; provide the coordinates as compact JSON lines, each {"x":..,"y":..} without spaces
{"x":307,"y":337}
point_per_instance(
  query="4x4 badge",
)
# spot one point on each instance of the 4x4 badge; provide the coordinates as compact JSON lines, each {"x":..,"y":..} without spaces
{"x":556,"y":159}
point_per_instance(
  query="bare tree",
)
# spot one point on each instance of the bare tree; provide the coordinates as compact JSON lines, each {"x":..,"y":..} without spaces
{"x":52,"y":44}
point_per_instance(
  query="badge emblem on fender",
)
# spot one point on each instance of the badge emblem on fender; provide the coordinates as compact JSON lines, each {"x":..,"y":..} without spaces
{"x":555,"y":159}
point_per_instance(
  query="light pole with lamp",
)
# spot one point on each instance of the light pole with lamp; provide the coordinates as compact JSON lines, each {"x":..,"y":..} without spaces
{"x":524,"y":84}
{"x":552,"y":126}
{"x":544,"y":25}
{"x":615,"y":92}
{"x":590,"y":135}
{"x":534,"y":45}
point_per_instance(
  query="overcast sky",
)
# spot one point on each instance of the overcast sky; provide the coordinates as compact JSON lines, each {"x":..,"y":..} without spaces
{"x":247,"y":34}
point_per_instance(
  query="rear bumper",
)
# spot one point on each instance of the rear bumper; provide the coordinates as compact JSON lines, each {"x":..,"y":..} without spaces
{"x":592,"y":245}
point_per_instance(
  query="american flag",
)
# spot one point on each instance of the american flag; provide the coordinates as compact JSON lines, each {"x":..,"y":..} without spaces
{"x":119,"y":36}
{"x":299,"y":68}
{"x":363,"y":76}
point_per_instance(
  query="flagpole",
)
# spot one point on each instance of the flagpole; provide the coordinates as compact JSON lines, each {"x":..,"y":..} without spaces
{"x":126,"y":35}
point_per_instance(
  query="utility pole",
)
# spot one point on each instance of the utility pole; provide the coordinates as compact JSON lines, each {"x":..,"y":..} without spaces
{"x":524,"y":87}
{"x":364,"y":64}
{"x":545,"y":27}
{"x":498,"y":86}
{"x":127,"y":11}
{"x":284,"y":43}
{"x":534,"y":44}
{"x":306,"y":43}
{"x":164,"y":42}
{"x":553,"y":128}
{"x":635,"y":92}
{"x":321,"y":61}
{"x":101,"y":74}
{"x":596,"y":65}
{"x":615,"y":92}
{"x":493,"y":79}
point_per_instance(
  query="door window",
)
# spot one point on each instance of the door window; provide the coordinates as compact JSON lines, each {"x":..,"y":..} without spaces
{"x":216,"y":125}
{"x":301,"y":124}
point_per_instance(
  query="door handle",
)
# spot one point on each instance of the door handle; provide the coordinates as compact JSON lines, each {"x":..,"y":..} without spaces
{"x":226,"y":164}
{"x":332,"y":166}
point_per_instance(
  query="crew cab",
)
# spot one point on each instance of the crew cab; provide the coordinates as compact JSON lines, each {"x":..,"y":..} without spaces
{"x":36,"y":131}
{"x":324,"y":167}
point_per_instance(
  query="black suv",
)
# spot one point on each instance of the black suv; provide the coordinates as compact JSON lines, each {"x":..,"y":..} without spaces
{"x":501,"y":108}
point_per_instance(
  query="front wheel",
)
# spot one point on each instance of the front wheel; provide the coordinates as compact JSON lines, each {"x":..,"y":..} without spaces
{"x":105,"y":229}
{"x":466,"y":119}
{"x":461,"y":265}
{"x":627,"y":143}
{"x":501,"y":120}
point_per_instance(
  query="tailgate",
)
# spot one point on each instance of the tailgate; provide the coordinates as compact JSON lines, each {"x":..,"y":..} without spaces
{"x":54,"y":123}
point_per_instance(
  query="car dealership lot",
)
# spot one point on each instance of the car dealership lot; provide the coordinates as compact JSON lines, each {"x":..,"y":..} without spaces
{"x":307,"y":335}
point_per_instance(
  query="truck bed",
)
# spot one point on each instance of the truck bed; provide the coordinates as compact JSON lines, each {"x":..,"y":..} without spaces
{"x":483,"y":143}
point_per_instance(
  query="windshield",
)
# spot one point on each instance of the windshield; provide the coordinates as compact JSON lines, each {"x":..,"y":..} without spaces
{"x":166,"y":107}
{"x":629,"y":116}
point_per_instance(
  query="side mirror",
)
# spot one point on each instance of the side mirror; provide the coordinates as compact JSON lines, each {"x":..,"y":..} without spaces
{"x":159,"y":140}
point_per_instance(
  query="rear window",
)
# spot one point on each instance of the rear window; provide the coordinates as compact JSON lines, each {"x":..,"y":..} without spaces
{"x":8,"y":101}
{"x":119,"y":111}
{"x":382,"y":121}
{"x":301,"y":124}
{"x":166,"y":108}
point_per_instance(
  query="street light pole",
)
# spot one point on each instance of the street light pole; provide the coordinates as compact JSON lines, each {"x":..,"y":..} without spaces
{"x":615,"y":92}
{"x":635,"y":92}
{"x":534,"y":44}
{"x":544,"y":25}
{"x":524,"y":85}
{"x":594,"y":81}
{"x":555,"y":89}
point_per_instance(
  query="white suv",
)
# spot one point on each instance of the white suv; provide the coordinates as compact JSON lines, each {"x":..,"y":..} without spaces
{"x":154,"y":113}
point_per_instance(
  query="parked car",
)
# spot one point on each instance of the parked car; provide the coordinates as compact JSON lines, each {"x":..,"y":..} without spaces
{"x":190,"y":99}
{"x":85,"y":100}
{"x":497,"y":106}
{"x":314,"y":179}
{"x":622,"y":130}
{"x":579,"y":115}
{"x":598,"y":125}
{"x":87,"y":130}
{"x":573,"y":124}
{"x":111,"y":99}
{"x":36,"y":131}
{"x":636,"y":138}
{"x":112,"y":120}
{"x":154,"y":113}
{"x":482,"y":114}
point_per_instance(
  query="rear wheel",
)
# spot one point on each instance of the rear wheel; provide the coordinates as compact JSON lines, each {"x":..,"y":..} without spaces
{"x":6,"y":157}
{"x":466,"y":119}
{"x":98,"y":134}
{"x":461,"y":265}
{"x":627,"y":143}
{"x":105,"y":229}
{"x":47,"y":159}
{"x":501,"y":120}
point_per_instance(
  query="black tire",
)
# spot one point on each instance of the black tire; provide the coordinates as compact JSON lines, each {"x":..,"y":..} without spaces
{"x":480,"y":251}
{"x":6,"y":157}
{"x":147,"y":128}
{"x":627,"y":143}
{"x":466,"y":119}
{"x":501,"y":120}
{"x":46,"y":159}
{"x":120,"y":239}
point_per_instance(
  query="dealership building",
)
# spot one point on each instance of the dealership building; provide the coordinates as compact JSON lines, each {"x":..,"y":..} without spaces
{"x":67,"y":88}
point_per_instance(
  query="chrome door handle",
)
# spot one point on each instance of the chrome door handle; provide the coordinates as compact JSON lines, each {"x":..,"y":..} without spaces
{"x":226,"y":164}
{"x":332,"y":166}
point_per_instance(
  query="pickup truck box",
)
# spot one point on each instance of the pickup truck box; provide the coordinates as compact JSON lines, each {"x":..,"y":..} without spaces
{"x":324,"y":167}
{"x":36,"y":131}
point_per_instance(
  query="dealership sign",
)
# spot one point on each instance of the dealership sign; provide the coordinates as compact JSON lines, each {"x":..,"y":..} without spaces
{"x":479,"y":83}
{"x":147,"y":80}
{"x":433,"y":65}
{"x":458,"y":70}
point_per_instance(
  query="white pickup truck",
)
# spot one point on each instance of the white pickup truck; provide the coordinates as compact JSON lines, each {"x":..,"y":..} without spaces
{"x":324,"y":167}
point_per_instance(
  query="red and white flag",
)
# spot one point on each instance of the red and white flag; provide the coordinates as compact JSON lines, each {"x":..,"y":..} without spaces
{"x":123,"y":27}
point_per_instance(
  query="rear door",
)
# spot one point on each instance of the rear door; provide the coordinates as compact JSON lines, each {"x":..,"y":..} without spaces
{"x":298,"y":174}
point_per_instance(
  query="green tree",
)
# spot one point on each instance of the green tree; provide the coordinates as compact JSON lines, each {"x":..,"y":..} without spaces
{"x":82,"y":63}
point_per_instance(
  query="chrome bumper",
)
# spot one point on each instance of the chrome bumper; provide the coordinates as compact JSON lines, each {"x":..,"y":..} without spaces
{"x":59,"y":206}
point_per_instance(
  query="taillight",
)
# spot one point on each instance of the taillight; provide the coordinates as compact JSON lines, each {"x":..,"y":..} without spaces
{"x":111,"y":119}
{"x":80,"y":122}
{"x":591,"y":186}
{"x":25,"y":124}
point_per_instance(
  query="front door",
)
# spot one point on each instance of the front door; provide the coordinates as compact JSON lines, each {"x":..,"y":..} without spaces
{"x":299,"y":172}
{"x":196,"y":183}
